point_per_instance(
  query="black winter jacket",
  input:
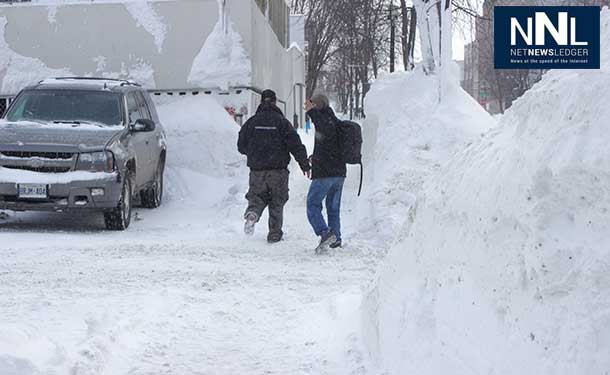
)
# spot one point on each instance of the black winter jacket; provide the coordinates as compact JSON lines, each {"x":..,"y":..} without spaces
{"x":327,"y":156}
{"x":268,"y":139}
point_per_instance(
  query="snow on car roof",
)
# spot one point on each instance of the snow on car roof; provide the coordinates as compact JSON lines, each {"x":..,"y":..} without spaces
{"x":105,"y":82}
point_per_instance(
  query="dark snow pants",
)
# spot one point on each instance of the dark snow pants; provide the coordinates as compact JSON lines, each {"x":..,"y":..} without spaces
{"x":269,"y":189}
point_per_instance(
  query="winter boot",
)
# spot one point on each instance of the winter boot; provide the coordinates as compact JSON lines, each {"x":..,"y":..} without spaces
{"x":337,"y":244}
{"x":326,"y":239}
{"x":271,"y":239}
{"x":251,"y":220}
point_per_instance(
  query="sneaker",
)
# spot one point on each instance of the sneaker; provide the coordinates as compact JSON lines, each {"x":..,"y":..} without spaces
{"x":326,"y":240}
{"x":336,"y":244}
{"x":251,"y":219}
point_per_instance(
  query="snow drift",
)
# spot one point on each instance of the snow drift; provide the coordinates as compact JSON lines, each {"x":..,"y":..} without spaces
{"x":203,"y":164}
{"x":408,"y":136}
{"x":506,"y":268}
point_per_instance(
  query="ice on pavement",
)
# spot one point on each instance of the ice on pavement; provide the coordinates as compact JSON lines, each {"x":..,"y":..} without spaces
{"x":505,"y":269}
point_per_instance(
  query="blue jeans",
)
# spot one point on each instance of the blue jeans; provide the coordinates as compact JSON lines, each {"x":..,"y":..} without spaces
{"x":329,"y":188}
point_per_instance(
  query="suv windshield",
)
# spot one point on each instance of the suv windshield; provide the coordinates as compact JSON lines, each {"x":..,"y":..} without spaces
{"x":67,"y":106}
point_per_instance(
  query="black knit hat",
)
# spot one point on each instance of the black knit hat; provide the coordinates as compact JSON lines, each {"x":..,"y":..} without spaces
{"x":268,"y":96}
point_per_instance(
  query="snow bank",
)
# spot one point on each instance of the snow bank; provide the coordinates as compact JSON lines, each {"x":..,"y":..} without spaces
{"x":506,"y":268}
{"x":222,"y":62}
{"x":203,"y":164}
{"x":407,"y":138}
{"x":201,"y":135}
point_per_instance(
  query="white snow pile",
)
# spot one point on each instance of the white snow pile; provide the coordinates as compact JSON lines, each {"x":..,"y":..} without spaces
{"x":506,"y":267}
{"x":19,"y":71}
{"x":222,"y":62}
{"x":202,"y":158}
{"x":408,"y":136}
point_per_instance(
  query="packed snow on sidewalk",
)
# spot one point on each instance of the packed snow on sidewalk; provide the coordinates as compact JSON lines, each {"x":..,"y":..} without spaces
{"x":183,"y":291}
{"x":505,"y":269}
{"x":408,"y":138}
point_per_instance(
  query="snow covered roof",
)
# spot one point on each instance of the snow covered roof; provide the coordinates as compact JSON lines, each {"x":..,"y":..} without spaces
{"x":105,"y":82}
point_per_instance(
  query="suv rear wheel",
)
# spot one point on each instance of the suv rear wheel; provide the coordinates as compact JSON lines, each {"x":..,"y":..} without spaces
{"x":120,"y":217}
{"x":153,"y":196}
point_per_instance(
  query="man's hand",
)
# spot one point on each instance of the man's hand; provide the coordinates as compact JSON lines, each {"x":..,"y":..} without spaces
{"x":307,"y":174}
{"x":309,"y":105}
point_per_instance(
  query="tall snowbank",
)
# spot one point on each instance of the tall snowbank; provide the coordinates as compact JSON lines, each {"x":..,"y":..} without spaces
{"x":408,"y":136}
{"x":202,"y":136}
{"x":203,"y":165}
{"x":506,"y":268}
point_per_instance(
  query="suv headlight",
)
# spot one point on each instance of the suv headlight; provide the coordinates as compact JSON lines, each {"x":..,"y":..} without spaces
{"x":95,"y":162}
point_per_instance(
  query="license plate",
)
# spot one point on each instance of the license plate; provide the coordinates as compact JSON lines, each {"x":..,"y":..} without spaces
{"x":33,"y":191}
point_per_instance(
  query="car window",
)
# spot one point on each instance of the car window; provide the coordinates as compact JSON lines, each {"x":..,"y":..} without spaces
{"x":133,"y":108}
{"x":101,"y":108}
{"x":143,"y":106}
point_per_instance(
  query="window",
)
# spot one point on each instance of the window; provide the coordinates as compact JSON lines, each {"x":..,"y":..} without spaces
{"x":133,"y":108}
{"x":144,"y":110}
{"x":101,"y":108}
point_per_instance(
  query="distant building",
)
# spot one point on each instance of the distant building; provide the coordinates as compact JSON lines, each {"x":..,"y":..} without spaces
{"x":460,"y":65}
{"x":471,"y":70}
{"x":297,"y":31}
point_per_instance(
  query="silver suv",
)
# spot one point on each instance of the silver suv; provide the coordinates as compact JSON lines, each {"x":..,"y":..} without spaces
{"x":82,"y":144}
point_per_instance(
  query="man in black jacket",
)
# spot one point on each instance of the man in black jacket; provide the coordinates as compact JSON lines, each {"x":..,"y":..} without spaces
{"x":268,"y":139}
{"x":329,"y":172}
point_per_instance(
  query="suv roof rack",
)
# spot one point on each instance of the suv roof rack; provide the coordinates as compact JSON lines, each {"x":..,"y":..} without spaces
{"x":122,"y":82}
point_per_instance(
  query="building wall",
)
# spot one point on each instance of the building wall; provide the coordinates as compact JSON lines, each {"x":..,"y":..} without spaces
{"x":272,"y":62}
{"x":277,"y":12}
{"x":73,"y":37}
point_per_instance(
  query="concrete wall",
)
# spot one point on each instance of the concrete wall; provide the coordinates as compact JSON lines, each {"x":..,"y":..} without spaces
{"x":74,"y":37}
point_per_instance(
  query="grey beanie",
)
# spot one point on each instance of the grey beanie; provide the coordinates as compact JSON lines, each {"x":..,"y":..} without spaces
{"x":320,"y":100}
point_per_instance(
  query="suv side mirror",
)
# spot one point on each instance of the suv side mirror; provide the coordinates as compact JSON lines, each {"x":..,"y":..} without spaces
{"x":143,"y":125}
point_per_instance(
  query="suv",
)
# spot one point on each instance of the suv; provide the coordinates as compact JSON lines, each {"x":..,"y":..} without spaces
{"x":82,"y":144}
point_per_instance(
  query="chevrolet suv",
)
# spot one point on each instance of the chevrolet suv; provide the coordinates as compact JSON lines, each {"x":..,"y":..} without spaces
{"x":82,"y":144}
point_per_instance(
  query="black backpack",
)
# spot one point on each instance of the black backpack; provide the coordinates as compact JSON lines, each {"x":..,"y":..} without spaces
{"x":350,"y":140}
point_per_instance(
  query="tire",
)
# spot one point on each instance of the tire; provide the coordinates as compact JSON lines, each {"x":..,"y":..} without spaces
{"x":153,"y":196}
{"x":119,"y":218}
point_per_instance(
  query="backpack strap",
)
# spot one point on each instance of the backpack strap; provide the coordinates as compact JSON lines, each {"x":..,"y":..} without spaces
{"x":361,"y":178}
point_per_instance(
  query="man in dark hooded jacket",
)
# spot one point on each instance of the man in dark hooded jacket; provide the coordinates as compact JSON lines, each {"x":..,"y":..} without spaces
{"x":328,"y":174}
{"x":268,"y":139}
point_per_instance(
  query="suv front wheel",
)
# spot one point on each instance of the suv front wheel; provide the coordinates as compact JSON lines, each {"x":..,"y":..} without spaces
{"x":120,"y":217}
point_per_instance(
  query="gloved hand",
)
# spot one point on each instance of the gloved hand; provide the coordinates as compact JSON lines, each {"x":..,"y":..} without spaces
{"x":306,"y":168}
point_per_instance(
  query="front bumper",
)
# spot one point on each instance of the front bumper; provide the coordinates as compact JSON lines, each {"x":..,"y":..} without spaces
{"x":65,"y":194}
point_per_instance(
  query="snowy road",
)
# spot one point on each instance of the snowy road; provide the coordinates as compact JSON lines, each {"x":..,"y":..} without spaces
{"x":183,"y":291}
